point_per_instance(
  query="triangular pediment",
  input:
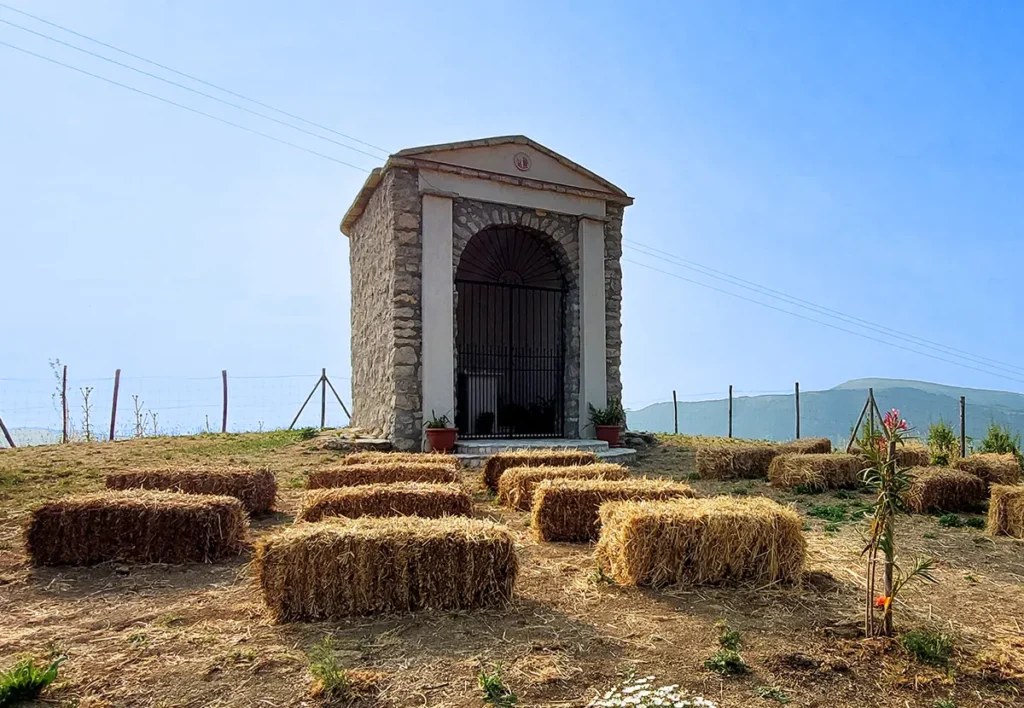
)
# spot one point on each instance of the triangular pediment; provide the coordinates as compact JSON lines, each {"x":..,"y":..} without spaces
{"x":514,"y":156}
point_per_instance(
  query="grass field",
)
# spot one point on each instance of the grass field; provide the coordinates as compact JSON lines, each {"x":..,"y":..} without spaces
{"x":197,"y":636}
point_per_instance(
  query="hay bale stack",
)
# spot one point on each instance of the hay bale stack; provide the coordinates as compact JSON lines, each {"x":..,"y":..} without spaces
{"x":342,"y":567}
{"x":944,"y":489}
{"x":137,"y":526}
{"x":807,"y":446}
{"x":1006,"y":511}
{"x":567,"y":509}
{"x":991,"y":467}
{"x":696,"y":541}
{"x":255,"y":488}
{"x":401,"y":499}
{"x":517,"y":484}
{"x":376,"y":457}
{"x":741,"y":461}
{"x":498,"y":463}
{"x":815,"y":471}
{"x":381,"y":473}
{"x":908,"y":455}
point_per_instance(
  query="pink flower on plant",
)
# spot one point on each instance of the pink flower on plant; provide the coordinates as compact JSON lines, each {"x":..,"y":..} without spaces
{"x":893,"y":423}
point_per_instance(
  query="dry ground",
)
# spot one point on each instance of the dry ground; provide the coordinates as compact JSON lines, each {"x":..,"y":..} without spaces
{"x":196,"y":636}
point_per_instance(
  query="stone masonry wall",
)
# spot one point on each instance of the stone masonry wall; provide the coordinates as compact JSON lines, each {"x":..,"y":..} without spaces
{"x":407,"y":204}
{"x":561,"y":233}
{"x":371,"y":254}
{"x":613,"y":297}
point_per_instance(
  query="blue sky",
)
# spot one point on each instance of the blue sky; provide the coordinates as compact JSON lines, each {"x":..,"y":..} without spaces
{"x":865,"y":157}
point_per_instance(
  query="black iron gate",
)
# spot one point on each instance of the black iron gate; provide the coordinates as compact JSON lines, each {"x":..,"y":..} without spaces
{"x":510,"y":340}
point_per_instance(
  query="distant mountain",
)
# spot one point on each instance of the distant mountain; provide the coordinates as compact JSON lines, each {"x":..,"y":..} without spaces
{"x":832,"y":413}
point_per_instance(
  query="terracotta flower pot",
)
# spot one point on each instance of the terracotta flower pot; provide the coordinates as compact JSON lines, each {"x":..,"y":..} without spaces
{"x":441,"y":439}
{"x":609,"y":433}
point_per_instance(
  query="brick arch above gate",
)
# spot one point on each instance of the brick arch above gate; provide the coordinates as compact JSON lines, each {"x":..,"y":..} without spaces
{"x":470,"y":217}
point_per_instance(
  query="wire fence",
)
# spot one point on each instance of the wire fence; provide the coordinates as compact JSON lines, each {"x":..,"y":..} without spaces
{"x":32,"y":410}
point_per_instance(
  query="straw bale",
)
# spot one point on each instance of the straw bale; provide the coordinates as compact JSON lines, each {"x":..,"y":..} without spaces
{"x":807,"y":446}
{"x":381,"y":473}
{"x":816,"y":471}
{"x":1006,"y":511}
{"x":740,"y":461}
{"x":255,"y":488}
{"x":517,"y":484}
{"x":137,"y":526}
{"x":341,"y":567}
{"x":991,"y":467}
{"x":498,"y":463}
{"x":944,"y":489}
{"x":377,"y":457}
{"x":910,"y":454}
{"x":567,"y":509}
{"x":400,"y":499}
{"x":696,"y":541}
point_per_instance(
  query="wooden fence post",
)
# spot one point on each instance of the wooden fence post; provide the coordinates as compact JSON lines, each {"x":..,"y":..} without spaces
{"x":730,"y":410}
{"x":675,"y":413}
{"x":7,"y":434}
{"x":113,"y":405}
{"x":224,"y":415}
{"x":64,"y":404}
{"x":963,"y":426}
{"x":797,"y":392}
{"x":323,"y":398}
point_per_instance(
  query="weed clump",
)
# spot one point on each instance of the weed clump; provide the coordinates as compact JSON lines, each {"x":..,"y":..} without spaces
{"x":934,"y":648}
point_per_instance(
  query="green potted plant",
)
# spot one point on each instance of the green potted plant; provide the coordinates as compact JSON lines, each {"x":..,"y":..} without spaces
{"x":440,"y":433}
{"x":608,"y":421}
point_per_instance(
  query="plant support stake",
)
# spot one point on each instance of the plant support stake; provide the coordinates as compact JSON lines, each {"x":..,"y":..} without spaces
{"x":797,"y":393}
{"x":730,"y":410}
{"x":963,"y":426}
{"x":7,"y":434}
{"x":675,"y":414}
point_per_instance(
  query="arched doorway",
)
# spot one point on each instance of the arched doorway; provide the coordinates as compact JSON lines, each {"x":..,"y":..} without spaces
{"x":510,"y":336}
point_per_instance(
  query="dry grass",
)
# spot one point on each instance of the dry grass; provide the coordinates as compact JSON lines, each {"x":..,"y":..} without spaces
{"x":746,"y":461}
{"x":991,"y":467}
{"x":697,"y":541}
{"x":567,"y":509}
{"x":807,"y":446}
{"x":517,"y":484}
{"x":344,"y":567}
{"x":496,"y":464}
{"x":944,"y":489}
{"x":400,"y":499}
{"x":817,"y":472}
{"x":139,"y":526}
{"x":255,"y":488}
{"x":1006,"y":511}
{"x":381,"y":473}
{"x":374,"y":457}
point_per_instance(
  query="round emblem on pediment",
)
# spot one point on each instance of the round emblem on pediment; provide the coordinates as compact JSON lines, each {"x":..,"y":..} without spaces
{"x":522,"y":161}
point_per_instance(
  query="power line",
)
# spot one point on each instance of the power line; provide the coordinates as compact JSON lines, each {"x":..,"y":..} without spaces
{"x":184,"y":107}
{"x":821,"y":309}
{"x":189,"y":88}
{"x":191,"y":77}
{"x":825,"y":324}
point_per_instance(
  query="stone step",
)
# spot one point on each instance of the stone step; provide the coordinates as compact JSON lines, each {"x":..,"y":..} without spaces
{"x":619,"y":455}
{"x":491,"y":446}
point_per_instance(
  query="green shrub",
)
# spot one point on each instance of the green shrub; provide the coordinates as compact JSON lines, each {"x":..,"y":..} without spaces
{"x":26,"y":680}
{"x":496,"y":693}
{"x":999,"y":439}
{"x":835,"y":513}
{"x":951,"y":521}
{"x":307,"y":433}
{"x":943,"y":443}
{"x":935,"y":648}
{"x":727,"y":662}
{"x":728,"y":638}
{"x":333,"y":681}
{"x":975,"y":522}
